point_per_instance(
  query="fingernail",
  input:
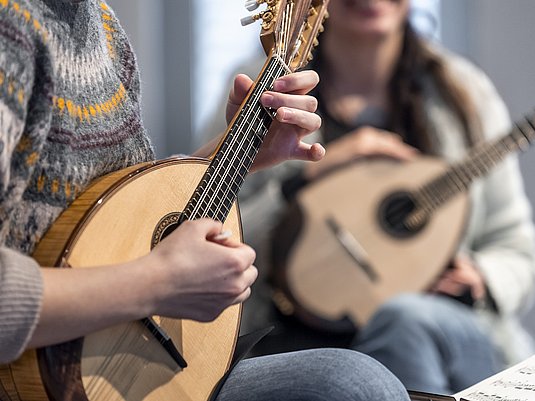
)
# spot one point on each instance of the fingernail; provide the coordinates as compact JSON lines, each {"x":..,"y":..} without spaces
{"x":267,"y":99}
{"x":223,"y":235}
{"x":279,"y":86}
{"x":284,"y":114}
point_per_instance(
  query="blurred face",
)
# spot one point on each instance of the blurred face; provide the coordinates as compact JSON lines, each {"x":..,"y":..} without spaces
{"x":374,"y":18}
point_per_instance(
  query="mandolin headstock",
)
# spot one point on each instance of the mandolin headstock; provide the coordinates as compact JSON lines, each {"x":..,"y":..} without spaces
{"x":290,"y":28}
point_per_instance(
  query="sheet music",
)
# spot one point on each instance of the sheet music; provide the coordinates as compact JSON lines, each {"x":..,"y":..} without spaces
{"x":513,"y":384}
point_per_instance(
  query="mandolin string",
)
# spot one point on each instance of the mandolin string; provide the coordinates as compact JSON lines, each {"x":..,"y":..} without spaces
{"x":479,"y":162}
{"x":284,"y":40}
{"x":224,"y":169}
{"x":96,"y":385}
{"x":236,"y":130}
{"x":250,"y":152}
{"x":134,"y":344}
{"x":113,"y":372}
{"x":217,"y":170}
{"x":240,"y":127}
{"x":250,"y":145}
{"x":94,"y":381}
{"x":281,"y":52}
{"x":247,"y":118}
{"x":126,"y":359}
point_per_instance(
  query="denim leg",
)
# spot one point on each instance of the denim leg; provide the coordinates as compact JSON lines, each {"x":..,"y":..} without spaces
{"x":312,"y":375}
{"x":430,"y":342}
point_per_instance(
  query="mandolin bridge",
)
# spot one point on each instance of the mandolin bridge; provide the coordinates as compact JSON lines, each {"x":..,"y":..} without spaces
{"x":352,"y":247}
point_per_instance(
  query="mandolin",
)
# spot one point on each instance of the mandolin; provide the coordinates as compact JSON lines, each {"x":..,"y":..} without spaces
{"x":376,"y":228}
{"x":123,"y":215}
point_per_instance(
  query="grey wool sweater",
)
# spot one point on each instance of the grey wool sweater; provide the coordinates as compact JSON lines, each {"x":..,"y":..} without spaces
{"x":69,"y":112}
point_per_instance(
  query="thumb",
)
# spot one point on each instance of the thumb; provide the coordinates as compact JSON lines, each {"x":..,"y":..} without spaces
{"x":208,"y":228}
{"x":242,"y":84}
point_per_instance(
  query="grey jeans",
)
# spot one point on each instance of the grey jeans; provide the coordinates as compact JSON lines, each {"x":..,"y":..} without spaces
{"x":312,"y":375}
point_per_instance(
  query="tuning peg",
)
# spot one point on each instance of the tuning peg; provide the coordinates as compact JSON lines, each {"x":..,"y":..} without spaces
{"x":252,"y":5}
{"x":250,"y":19}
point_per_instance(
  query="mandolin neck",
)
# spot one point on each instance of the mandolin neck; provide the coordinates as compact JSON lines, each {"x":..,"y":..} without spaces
{"x":478,"y":162}
{"x":237,"y":151}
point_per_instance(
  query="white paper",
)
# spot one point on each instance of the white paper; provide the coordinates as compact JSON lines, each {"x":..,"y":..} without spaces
{"x":513,"y":384}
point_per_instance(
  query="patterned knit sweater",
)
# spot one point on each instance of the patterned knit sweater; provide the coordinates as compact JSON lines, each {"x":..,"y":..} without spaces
{"x":69,"y":112}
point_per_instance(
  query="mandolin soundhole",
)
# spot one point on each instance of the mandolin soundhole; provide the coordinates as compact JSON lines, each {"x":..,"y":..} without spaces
{"x":165,"y":226}
{"x":393,"y":212}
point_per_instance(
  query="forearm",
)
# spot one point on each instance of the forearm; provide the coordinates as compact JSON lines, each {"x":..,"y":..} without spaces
{"x":78,"y":301}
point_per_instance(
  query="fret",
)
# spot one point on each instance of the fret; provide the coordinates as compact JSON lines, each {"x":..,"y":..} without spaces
{"x":226,"y":173}
{"x":476,"y":164}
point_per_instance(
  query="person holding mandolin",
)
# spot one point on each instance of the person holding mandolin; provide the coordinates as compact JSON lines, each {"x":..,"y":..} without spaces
{"x":69,"y":114}
{"x":387,"y":91}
